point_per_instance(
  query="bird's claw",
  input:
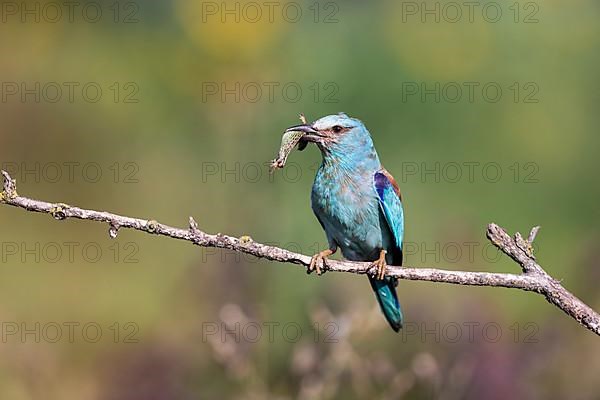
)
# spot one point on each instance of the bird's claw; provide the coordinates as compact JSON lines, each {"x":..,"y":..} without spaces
{"x":317,"y":260}
{"x":380,"y":264}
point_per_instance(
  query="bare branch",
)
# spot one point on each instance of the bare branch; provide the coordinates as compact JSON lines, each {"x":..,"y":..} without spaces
{"x":533,"y":278}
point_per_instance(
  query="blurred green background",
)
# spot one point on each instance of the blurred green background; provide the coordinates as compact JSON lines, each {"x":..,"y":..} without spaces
{"x":176,"y":107}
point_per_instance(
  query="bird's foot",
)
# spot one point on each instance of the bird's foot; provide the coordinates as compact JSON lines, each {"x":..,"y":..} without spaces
{"x":380,"y":264}
{"x":319,"y":259}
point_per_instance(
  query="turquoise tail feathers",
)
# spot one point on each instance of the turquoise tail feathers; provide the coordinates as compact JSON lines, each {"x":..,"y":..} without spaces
{"x":385,"y":292}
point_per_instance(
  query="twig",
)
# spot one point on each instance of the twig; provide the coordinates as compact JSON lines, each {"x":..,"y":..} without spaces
{"x":533,"y":278}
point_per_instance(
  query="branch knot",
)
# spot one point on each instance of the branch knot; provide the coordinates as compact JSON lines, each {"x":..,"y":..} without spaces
{"x":9,"y":189}
{"x":193,"y":225}
{"x":59,"y":211}
{"x":152,"y":226}
{"x":245,"y":239}
{"x":113,"y":230}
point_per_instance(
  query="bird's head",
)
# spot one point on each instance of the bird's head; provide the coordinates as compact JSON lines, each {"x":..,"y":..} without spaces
{"x":338,"y":136}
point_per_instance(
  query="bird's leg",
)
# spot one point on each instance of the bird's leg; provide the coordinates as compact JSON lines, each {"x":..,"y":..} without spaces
{"x":319,"y":258}
{"x":380,"y":264}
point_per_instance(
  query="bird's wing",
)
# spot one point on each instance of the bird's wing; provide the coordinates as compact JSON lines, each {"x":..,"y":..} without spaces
{"x":390,"y":201}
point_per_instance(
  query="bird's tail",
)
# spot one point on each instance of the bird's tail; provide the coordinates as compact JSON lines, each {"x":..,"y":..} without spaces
{"x":385,"y":291}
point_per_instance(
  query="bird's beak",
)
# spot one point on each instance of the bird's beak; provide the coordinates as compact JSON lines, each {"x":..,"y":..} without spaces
{"x":310,"y":133}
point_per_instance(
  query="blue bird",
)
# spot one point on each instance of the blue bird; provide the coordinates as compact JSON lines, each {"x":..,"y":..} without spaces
{"x":358,"y":204}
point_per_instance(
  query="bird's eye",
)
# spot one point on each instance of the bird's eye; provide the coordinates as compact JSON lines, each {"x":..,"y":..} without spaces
{"x":337,"y":129}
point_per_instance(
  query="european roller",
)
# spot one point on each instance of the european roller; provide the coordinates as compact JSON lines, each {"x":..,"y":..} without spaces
{"x":358,"y":203}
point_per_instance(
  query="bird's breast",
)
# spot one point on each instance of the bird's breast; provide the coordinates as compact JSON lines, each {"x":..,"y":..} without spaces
{"x":347,"y":206}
